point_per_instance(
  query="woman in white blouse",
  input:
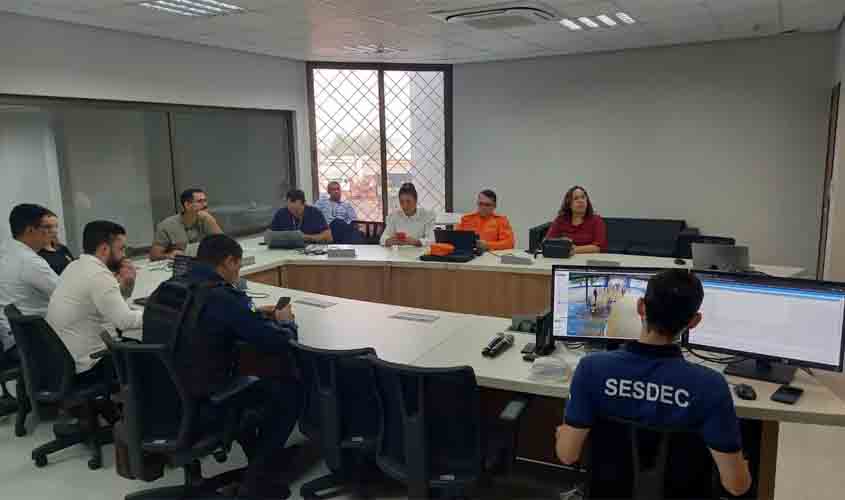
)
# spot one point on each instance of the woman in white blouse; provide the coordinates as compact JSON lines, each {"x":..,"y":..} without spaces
{"x":410,"y":225}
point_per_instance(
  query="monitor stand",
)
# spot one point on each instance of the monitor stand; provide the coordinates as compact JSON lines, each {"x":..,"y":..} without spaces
{"x":768,"y":371}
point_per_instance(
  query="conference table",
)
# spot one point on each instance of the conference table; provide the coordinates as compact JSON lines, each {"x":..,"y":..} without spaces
{"x":397,"y":276}
{"x":363,"y":313}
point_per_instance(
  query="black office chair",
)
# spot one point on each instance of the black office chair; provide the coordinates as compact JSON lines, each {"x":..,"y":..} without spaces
{"x":625,"y":459}
{"x":160,"y":422}
{"x":50,"y":375}
{"x":341,"y":414}
{"x":432,"y":437}
{"x":10,"y":371}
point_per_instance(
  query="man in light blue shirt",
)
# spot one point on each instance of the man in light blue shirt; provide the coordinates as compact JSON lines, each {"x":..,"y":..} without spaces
{"x":332,"y":206}
{"x":26,"y":280}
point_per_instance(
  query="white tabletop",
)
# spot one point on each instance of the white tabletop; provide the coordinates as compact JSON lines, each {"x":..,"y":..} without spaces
{"x":457,"y":339}
{"x":375,"y":255}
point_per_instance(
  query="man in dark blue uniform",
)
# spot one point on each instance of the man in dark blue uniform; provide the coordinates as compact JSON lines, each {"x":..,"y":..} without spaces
{"x":650,"y":382}
{"x":207,"y":357}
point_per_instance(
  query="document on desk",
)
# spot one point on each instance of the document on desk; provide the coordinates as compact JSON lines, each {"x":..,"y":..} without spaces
{"x":322,"y":304}
{"x":410,"y":316}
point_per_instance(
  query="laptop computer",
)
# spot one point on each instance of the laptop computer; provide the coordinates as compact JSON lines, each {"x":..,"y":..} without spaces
{"x":726,"y":258}
{"x":284,"y":239}
{"x":463,"y":241}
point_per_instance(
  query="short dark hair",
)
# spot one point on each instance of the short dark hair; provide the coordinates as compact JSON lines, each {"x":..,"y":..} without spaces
{"x":188,"y":195}
{"x":296,"y":195}
{"x":672,"y":298}
{"x":489,"y":193}
{"x":26,"y":215}
{"x":98,"y":232}
{"x":566,"y":205}
{"x":214,"y":249}
{"x":409,"y":189}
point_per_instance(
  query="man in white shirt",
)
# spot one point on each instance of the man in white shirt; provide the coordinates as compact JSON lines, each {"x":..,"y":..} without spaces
{"x":88,"y":297}
{"x":26,"y":280}
{"x":411,"y":225}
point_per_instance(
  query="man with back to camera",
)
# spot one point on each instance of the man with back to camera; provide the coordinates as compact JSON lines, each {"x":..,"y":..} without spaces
{"x":26,"y":280}
{"x":175,"y":233}
{"x":206,"y":355}
{"x":299,"y":216}
{"x":622,"y":383}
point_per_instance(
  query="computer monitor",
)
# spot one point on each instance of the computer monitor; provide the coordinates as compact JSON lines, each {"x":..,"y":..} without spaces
{"x":716,"y":257}
{"x":597,"y":304}
{"x":777,"y":323}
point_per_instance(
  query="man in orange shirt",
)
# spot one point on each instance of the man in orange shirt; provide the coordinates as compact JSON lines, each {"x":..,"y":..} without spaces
{"x":493,"y":230}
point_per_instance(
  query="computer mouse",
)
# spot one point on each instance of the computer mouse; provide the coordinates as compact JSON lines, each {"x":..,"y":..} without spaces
{"x":680,"y":262}
{"x":745,"y":391}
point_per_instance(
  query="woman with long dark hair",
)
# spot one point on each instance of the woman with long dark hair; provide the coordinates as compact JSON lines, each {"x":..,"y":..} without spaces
{"x":577,"y":221}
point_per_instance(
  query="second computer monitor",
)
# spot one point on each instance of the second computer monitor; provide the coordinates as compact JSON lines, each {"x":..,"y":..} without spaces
{"x":597,"y":304}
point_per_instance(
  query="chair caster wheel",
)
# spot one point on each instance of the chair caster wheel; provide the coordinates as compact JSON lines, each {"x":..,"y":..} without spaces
{"x":95,"y":463}
{"x":40,"y":461}
{"x":220,"y":457}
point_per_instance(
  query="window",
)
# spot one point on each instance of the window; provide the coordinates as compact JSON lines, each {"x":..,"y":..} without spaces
{"x":375,"y":127}
{"x":128,"y":162}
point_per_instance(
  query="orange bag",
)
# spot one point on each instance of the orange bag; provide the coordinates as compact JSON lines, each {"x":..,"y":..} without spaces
{"x":442,"y":249}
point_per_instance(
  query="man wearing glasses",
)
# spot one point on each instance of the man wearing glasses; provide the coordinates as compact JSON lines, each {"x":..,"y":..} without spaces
{"x":175,"y":233}
{"x":26,"y":280}
{"x":493,"y":230}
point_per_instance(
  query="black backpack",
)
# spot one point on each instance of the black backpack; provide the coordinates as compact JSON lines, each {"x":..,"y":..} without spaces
{"x":174,"y":307}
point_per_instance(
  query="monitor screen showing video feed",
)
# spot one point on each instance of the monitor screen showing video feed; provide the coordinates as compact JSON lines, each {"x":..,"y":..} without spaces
{"x":597,"y":304}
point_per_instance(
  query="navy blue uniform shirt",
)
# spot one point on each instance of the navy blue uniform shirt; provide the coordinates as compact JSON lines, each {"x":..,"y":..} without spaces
{"x":232,"y":314}
{"x":313,"y":221}
{"x":656,"y":386}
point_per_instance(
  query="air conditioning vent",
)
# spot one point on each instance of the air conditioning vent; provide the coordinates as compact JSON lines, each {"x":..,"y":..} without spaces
{"x":500,"y":16}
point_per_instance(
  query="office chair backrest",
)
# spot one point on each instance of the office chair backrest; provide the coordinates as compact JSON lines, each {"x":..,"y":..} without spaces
{"x":430,"y":425}
{"x":159,"y":414}
{"x":340,"y":398}
{"x":626,"y":459}
{"x":714,"y":240}
{"x":48,"y":367}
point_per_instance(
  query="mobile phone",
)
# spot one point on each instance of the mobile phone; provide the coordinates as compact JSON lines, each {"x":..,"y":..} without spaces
{"x":529,"y":348}
{"x":282,"y":303}
{"x":787,"y":394}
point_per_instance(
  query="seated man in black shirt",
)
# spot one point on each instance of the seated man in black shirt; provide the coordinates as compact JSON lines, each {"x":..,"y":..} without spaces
{"x":207,"y":355}
{"x":650,"y":382}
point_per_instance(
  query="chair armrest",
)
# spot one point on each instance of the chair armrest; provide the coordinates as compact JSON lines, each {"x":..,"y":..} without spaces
{"x":514,"y":410}
{"x":100,"y":354}
{"x":238,"y":386}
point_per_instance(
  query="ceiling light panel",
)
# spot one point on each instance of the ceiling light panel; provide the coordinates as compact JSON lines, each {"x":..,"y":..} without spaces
{"x":193,"y":8}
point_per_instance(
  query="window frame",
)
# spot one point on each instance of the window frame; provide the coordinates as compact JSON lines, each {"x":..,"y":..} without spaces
{"x":289,"y":115}
{"x":447,"y":69}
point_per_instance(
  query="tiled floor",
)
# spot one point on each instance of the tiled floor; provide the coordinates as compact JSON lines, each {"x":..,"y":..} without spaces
{"x":810,"y":466}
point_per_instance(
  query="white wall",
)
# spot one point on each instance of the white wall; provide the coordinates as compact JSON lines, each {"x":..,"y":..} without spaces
{"x":28,"y":165}
{"x":729,"y":136}
{"x":46,"y":58}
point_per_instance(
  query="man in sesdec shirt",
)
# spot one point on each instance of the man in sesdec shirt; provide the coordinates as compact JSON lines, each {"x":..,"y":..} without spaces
{"x":650,"y":382}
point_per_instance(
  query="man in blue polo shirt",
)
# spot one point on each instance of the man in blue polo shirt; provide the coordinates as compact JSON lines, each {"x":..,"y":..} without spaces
{"x":301,"y":217}
{"x":650,"y":382}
